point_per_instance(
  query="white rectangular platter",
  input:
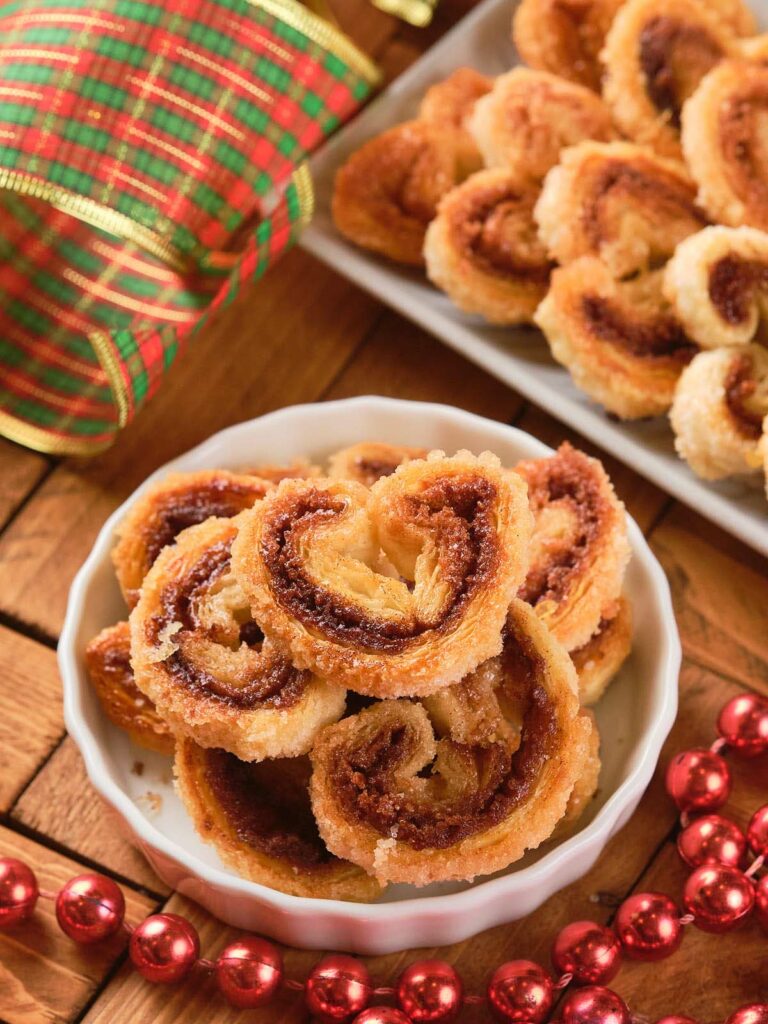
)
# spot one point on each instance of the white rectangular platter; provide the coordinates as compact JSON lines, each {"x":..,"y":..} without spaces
{"x":517,"y":356}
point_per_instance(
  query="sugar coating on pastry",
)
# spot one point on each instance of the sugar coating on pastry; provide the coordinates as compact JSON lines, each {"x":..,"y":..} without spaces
{"x":205,"y":663}
{"x":108,"y":661}
{"x":387,"y":192}
{"x":483,"y":249}
{"x":619,"y":339}
{"x":529,"y":116}
{"x":598,"y":660}
{"x":656,"y":53}
{"x":258,"y":817}
{"x":724,"y":143}
{"x":580,"y":547}
{"x":449,"y":103}
{"x":170,"y":506}
{"x":717,"y":284}
{"x":410,"y":805}
{"x":455,"y":530}
{"x":618,"y":201}
{"x":585,"y":789}
{"x":369,"y":461}
{"x":564,"y":37}
{"x":275,"y":472}
{"x":718,"y":412}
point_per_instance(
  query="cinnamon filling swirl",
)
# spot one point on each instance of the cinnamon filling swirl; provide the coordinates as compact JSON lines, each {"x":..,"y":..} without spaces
{"x":742,"y":141}
{"x":732,"y":282}
{"x":658,"y":338}
{"x":740,"y":389}
{"x":675,"y":55}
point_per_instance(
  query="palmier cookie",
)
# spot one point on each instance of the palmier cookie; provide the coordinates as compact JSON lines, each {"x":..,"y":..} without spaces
{"x":598,"y":661}
{"x":718,"y":412}
{"x":480,"y":806}
{"x":483,"y":250}
{"x":456,"y":532}
{"x":620,"y":340}
{"x":617,"y":201}
{"x":580,"y":548}
{"x":369,"y":461}
{"x":108,"y":661}
{"x":258,"y":817}
{"x":387,"y":192}
{"x":449,"y":103}
{"x":205,"y":663}
{"x":529,"y":116}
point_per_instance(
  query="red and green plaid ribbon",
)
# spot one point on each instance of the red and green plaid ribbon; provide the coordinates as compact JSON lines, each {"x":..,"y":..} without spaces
{"x":151,"y":163}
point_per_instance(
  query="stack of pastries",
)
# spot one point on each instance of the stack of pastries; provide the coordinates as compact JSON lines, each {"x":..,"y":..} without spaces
{"x":613,"y":192}
{"x":377,"y":672}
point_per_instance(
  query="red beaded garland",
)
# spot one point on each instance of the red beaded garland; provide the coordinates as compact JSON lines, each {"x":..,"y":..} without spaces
{"x":676,"y":1018}
{"x":90,"y":908}
{"x":594,"y":1005}
{"x":164,"y":948}
{"x":712,"y":837}
{"x":743,"y":724}
{"x":338,"y":987}
{"x":249,"y":971}
{"x":430,"y":991}
{"x":381,"y":1015}
{"x":18,"y":892}
{"x":761,"y":903}
{"x":648,"y":926}
{"x":757,"y":832}
{"x":755,"y":1013}
{"x":698,"y":780}
{"x":719,"y":897}
{"x":588,"y":951}
{"x":520,"y":991}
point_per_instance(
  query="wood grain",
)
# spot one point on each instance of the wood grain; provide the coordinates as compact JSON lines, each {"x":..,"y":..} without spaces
{"x":20,"y":470}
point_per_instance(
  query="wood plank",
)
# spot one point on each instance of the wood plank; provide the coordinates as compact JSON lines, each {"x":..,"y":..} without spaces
{"x":31,"y":716}
{"x":20,"y":470}
{"x":44,"y":976}
{"x":61,"y":804}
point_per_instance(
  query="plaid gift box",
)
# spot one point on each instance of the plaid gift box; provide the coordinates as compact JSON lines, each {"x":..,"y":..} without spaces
{"x":151,"y":163}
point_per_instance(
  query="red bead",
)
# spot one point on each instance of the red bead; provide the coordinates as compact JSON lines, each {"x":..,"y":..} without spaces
{"x":249,"y":972}
{"x":757,"y":832}
{"x":761,"y":903}
{"x":712,"y":838}
{"x":719,"y":897}
{"x":430,"y":990}
{"x":164,"y":948}
{"x":755,"y":1013}
{"x":743,"y":724}
{"x":520,"y":991}
{"x":676,"y":1018}
{"x":594,"y":1005}
{"x":90,"y":908}
{"x":588,"y":951}
{"x":381,"y":1015}
{"x":338,"y":987}
{"x":698,"y":780}
{"x":648,"y":926}
{"x":18,"y":892}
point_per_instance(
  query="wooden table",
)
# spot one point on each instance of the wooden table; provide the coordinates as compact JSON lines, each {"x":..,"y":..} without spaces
{"x":279,"y":345}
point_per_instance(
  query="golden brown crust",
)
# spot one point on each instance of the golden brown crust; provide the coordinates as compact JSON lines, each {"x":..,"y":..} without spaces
{"x":449,"y":103}
{"x":619,"y":339}
{"x":598,"y":660}
{"x":198,"y":655}
{"x":483,"y":249}
{"x":456,"y":532}
{"x":274,"y":472}
{"x":170,"y":506}
{"x":259,"y":818}
{"x":387,"y":192}
{"x":369,"y":461}
{"x":481,"y":806}
{"x":108,"y":660}
{"x":580,"y":547}
{"x":585,"y":789}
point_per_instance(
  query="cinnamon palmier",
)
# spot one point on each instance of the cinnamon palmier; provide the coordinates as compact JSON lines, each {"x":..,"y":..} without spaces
{"x":724,"y":143}
{"x":718,"y":412}
{"x":564,"y":36}
{"x":369,"y":461}
{"x":529,"y":116}
{"x":656,"y":53}
{"x":580,"y":548}
{"x":170,"y":506}
{"x":483,"y":250}
{"x":449,"y":103}
{"x":455,"y":531}
{"x":387,"y":192}
{"x":201,"y":658}
{"x":410,"y":805}
{"x":586,"y":784}
{"x":619,"y":339}
{"x":717,"y":283}
{"x":617,"y":201}
{"x":598,"y":660}
{"x":108,"y":661}
{"x":258,"y":817}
